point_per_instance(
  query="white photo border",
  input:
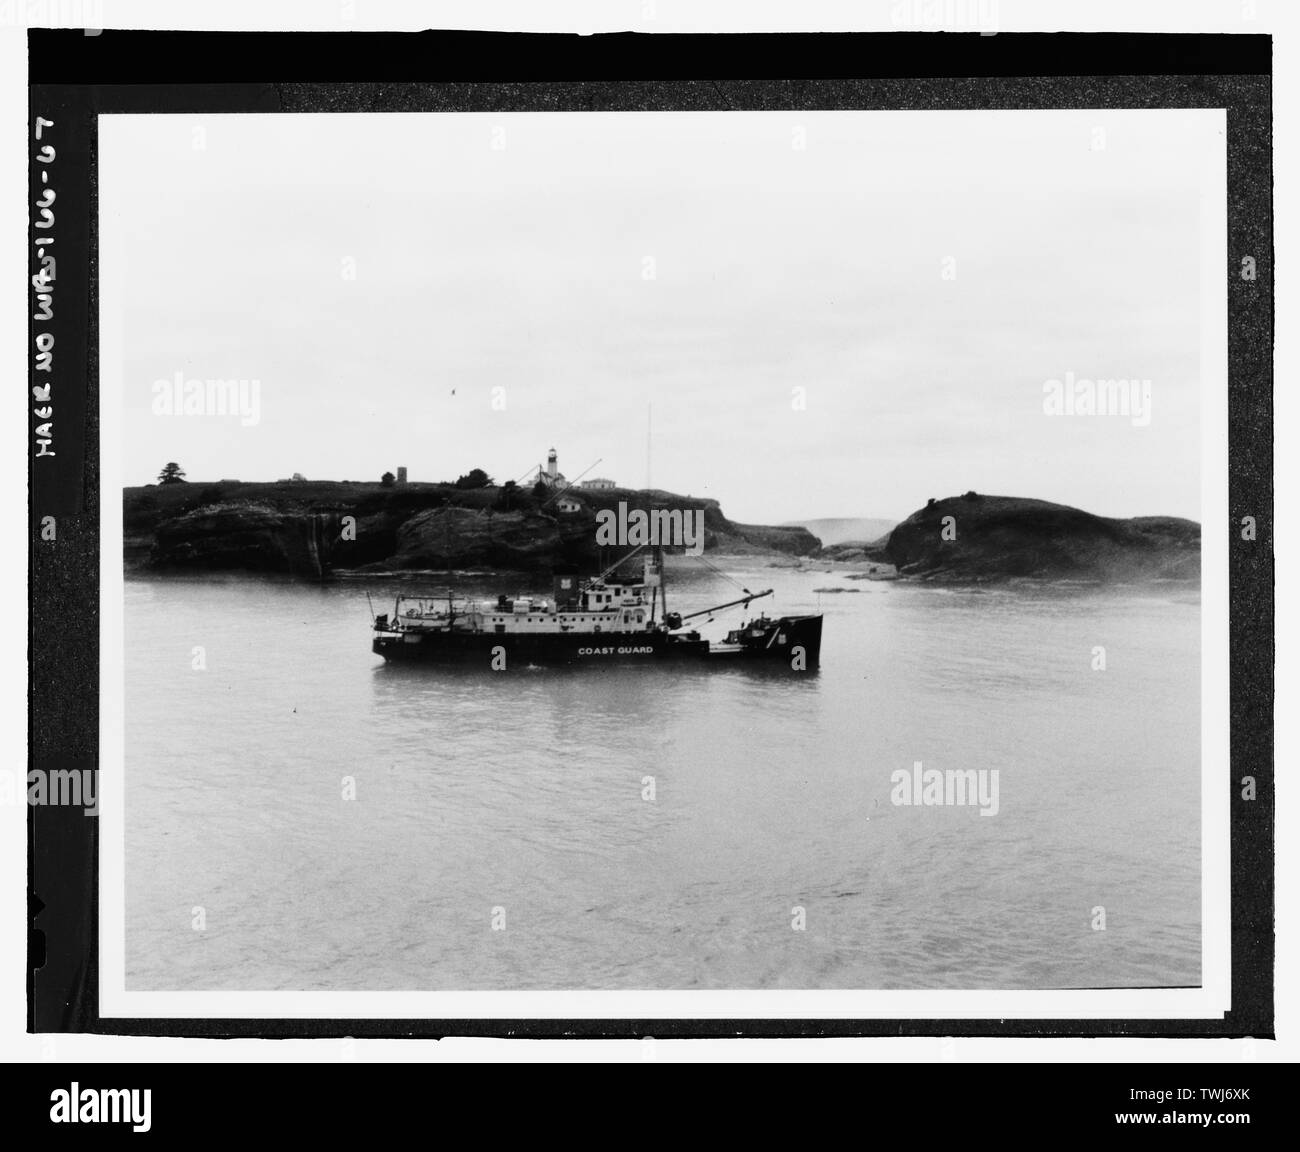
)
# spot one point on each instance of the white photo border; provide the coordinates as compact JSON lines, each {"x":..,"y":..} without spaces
{"x":1209,"y":1001}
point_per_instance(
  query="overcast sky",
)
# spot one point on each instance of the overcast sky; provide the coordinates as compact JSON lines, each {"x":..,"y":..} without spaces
{"x":381,"y":275}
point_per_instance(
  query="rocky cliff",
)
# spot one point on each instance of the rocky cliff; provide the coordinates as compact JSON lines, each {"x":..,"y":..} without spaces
{"x":975,"y":537}
{"x":314,"y":528}
{"x":248,"y":536}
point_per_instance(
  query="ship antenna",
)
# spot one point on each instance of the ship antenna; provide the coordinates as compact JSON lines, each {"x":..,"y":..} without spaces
{"x":663,"y":587}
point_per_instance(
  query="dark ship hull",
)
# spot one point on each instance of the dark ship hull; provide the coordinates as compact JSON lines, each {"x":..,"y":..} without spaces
{"x":793,"y":640}
{"x":594,"y":622}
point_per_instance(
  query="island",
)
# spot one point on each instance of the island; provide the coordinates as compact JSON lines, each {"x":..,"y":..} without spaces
{"x":979,"y":538}
{"x":324,"y":529}
{"x":319,"y":529}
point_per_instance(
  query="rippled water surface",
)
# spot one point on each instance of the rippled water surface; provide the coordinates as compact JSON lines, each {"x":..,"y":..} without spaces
{"x":523,"y":791}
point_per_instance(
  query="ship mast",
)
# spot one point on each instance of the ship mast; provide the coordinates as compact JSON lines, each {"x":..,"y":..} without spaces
{"x":663,"y":588}
{"x":656,"y":589}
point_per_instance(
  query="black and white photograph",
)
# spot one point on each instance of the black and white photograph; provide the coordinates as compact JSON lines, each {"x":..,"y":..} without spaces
{"x":592,"y":532}
{"x":666,"y":551}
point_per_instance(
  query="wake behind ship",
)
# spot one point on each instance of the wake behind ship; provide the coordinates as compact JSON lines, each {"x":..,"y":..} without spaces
{"x":601,"y":620}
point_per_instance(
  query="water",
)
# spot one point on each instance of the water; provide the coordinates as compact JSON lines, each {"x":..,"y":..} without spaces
{"x":523,"y":792}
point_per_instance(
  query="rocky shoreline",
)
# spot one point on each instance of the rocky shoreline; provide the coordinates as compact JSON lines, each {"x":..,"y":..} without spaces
{"x":974,"y":538}
{"x":322,"y":529}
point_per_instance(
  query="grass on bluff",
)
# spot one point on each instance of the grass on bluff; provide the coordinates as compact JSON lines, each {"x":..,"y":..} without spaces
{"x":162,"y":501}
{"x":146,"y":508}
{"x":153,"y":502}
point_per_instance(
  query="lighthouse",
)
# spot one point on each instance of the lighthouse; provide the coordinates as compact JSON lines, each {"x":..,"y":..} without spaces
{"x":551,"y":475}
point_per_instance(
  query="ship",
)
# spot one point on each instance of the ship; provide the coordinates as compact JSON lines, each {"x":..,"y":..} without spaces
{"x":602,"y":620}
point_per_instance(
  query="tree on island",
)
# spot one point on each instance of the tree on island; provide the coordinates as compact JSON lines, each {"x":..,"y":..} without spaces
{"x":388,"y":480}
{"x":540,"y":490}
{"x":474,"y":478}
{"x":172,"y":473}
{"x":512,"y":497}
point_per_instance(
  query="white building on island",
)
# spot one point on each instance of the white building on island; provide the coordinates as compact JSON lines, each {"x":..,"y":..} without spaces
{"x":551,"y":476}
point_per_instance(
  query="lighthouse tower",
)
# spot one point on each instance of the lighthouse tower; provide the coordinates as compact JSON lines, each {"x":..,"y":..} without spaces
{"x":551,"y":475}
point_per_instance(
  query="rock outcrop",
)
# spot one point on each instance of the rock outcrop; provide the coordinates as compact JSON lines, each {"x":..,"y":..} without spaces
{"x":976,"y":537}
{"x":313,"y":528}
{"x":249,"y":537}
